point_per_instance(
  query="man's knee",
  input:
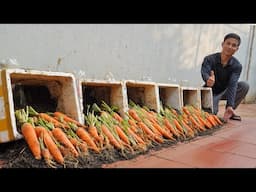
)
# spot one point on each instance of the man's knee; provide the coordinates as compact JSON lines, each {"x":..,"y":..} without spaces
{"x":244,"y":86}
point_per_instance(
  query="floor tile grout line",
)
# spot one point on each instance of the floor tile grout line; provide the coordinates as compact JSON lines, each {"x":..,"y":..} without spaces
{"x":172,"y":160}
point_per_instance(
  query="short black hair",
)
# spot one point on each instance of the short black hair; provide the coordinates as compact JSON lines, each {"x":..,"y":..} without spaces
{"x":233,"y":35}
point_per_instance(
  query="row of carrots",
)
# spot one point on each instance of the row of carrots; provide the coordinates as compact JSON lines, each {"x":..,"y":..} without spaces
{"x":56,"y":137}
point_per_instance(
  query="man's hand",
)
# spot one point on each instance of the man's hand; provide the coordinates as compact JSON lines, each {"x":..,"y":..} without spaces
{"x":210,"y":82}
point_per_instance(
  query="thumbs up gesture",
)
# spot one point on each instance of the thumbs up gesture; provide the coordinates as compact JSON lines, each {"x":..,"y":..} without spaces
{"x":211,"y":80}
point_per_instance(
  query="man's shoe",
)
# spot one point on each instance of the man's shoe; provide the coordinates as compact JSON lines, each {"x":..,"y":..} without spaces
{"x":236,"y":117}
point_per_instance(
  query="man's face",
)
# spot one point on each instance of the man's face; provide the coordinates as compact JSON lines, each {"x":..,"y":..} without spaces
{"x":230,"y":46}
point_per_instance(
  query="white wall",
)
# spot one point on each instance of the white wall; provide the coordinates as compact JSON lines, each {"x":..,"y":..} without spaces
{"x":158,"y":52}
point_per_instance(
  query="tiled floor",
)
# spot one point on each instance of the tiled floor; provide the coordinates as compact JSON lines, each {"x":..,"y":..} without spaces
{"x":233,"y":146}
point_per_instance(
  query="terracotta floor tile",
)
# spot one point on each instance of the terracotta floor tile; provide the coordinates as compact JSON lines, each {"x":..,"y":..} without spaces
{"x":154,"y":162}
{"x":204,"y":158}
{"x":245,"y":149}
{"x":226,"y":145}
{"x":208,"y":140}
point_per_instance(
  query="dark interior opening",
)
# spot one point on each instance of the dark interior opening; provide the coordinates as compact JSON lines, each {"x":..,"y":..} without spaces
{"x":95,"y":94}
{"x":136,"y":95}
{"x":162,"y":93}
{"x":36,"y":96}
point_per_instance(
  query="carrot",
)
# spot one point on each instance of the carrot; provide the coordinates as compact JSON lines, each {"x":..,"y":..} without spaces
{"x":132,"y":122}
{"x":51,"y":145}
{"x":171,"y":128}
{"x":51,"y":119}
{"x":134,"y":115}
{"x":84,"y":135}
{"x":94,"y":133}
{"x":204,"y":122}
{"x":150,"y":126}
{"x":39,"y":130}
{"x":110,"y":136}
{"x":189,"y":129}
{"x":212,"y":120}
{"x":185,"y":110}
{"x":67,"y":118}
{"x":196,"y":124}
{"x":30,"y":136}
{"x":217,"y":119}
{"x":79,"y":145}
{"x":138,"y":138}
{"x":122,"y":135}
{"x":117,"y":117}
{"x":65,"y":152}
{"x":83,"y":147}
{"x":147,"y":130}
{"x":62,"y":138}
{"x":178,"y":126}
{"x":163,"y":131}
{"x":47,"y":155}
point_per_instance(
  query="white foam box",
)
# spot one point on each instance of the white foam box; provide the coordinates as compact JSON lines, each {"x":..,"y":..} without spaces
{"x":61,"y":87}
{"x":190,"y":96}
{"x":143,"y":93}
{"x":170,"y":95}
{"x":96,"y":91}
{"x":206,"y":98}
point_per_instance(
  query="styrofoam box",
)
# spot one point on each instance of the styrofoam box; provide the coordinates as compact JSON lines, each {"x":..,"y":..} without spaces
{"x":143,"y":93}
{"x":96,"y":91}
{"x":61,"y":86}
{"x":190,"y":96}
{"x":170,"y":95}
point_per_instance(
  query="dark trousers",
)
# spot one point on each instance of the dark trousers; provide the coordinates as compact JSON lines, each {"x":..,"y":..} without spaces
{"x":242,"y":90}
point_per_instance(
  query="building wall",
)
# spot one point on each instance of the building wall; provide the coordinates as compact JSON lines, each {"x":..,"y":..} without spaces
{"x":167,"y":53}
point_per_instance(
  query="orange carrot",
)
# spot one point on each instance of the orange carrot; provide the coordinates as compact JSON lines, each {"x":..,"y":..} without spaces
{"x":117,"y":117}
{"x":94,"y":133}
{"x":189,"y":129}
{"x":62,"y":138}
{"x":65,"y":152}
{"x":205,"y":123}
{"x":51,"y":145}
{"x":196,"y":124}
{"x":47,"y":155}
{"x":149,"y":132}
{"x":185,"y":110}
{"x":171,"y":128}
{"x":178,"y":126}
{"x":67,"y":118}
{"x":80,"y":145}
{"x":165,"y":133}
{"x":217,"y":119}
{"x":211,"y":120}
{"x":52,"y":120}
{"x":122,"y":135}
{"x":84,"y":135}
{"x":132,"y":122}
{"x":30,"y":136}
{"x":150,"y":126}
{"x":110,"y":136}
{"x":39,"y":130}
{"x":146,"y":129}
{"x":138,"y":138}
{"x":134,"y":115}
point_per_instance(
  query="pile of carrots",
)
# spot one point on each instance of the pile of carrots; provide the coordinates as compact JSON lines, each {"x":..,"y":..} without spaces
{"x":56,"y":137}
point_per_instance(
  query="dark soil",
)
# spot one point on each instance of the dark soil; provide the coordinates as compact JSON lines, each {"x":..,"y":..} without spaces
{"x":16,"y":154}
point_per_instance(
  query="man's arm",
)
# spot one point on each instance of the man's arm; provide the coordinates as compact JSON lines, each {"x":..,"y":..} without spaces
{"x":205,"y":69}
{"x":232,"y":86}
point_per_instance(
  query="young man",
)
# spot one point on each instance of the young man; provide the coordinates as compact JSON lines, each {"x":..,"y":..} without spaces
{"x":221,"y":71}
